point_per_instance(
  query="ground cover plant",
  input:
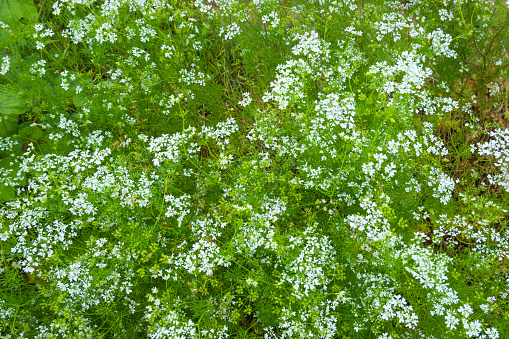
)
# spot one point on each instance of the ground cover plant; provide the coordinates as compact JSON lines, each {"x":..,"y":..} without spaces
{"x":254,"y":169}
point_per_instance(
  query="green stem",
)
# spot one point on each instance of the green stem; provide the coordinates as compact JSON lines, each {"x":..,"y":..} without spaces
{"x":39,"y":14}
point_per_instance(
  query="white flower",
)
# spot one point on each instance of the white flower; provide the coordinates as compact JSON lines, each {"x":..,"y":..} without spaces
{"x":451,"y":321}
{"x":445,"y":15}
{"x":440,"y":43}
{"x":498,"y":147}
{"x":4,"y":236}
{"x":38,"y":68}
{"x":251,"y":282}
{"x":246,"y":100}
{"x":466,"y":310}
{"x":492,"y":333}
{"x":6,"y":63}
{"x":272,"y":19}
{"x":473,"y":328}
{"x":230,"y":32}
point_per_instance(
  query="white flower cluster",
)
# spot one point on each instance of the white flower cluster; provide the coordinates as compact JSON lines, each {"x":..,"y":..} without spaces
{"x":348,"y":60}
{"x":373,"y":225}
{"x":271,"y":19}
{"x":445,"y":15}
{"x":410,"y":65}
{"x":7,"y":144}
{"x":392,"y":23}
{"x":193,"y":77}
{"x":168,"y":101}
{"x":104,"y":25}
{"x":288,"y":86}
{"x":310,"y":46}
{"x":6,"y":64}
{"x":221,"y":132}
{"x":172,"y":325}
{"x":318,"y":320}
{"x":383,"y":302}
{"x":169,"y":50}
{"x":246,"y":100}
{"x":428,"y":268}
{"x":257,"y":236}
{"x":145,"y":31}
{"x":84,"y":290}
{"x":172,"y":147}
{"x":80,"y":183}
{"x":443,"y":185}
{"x":440,"y":43}
{"x":498,"y":148}
{"x":352,"y":30}
{"x":46,"y":33}
{"x":60,"y":327}
{"x":104,"y":33}
{"x":306,"y":271}
{"x":203,"y":258}
{"x":178,"y":207}
{"x":225,"y":226}
{"x":63,"y":76}
{"x":230,"y":32}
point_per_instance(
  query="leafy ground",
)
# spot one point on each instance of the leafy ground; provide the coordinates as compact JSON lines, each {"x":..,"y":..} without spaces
{"x":254,"y":169}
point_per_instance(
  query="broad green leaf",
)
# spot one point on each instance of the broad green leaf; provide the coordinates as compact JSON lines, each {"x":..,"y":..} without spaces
{"x":13,"y":10}
{"x":8,"y":124}
{"x":31,"y":133}
{"x":7,"y":193}
{"x":79,"y":100}
{"x":11,"y":102}
{"x":61,"y":146}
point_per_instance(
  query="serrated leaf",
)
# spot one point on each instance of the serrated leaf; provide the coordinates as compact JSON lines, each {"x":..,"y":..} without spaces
{"x":13,"y":10}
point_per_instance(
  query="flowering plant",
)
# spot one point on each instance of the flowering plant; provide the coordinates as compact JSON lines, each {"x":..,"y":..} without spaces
{"x":262,"y":169}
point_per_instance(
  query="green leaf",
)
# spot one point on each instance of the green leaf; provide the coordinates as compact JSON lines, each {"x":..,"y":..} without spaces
{"x":8,"y":124}
{"x":82,"y":80}
{"x":31,"y":134}
{"x":11,"y":101}
{"x":7,"y":193}
{"x":13,"y":10}
{"x":79,"y":100}
{"x":12,"y":104}
{"x":11,"y":170}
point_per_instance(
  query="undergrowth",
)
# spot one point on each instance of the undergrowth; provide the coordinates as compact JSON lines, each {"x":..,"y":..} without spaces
{"x":254,"y":169}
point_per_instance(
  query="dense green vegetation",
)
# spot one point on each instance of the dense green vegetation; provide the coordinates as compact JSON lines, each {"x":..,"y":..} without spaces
{"x":254,"y":169}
